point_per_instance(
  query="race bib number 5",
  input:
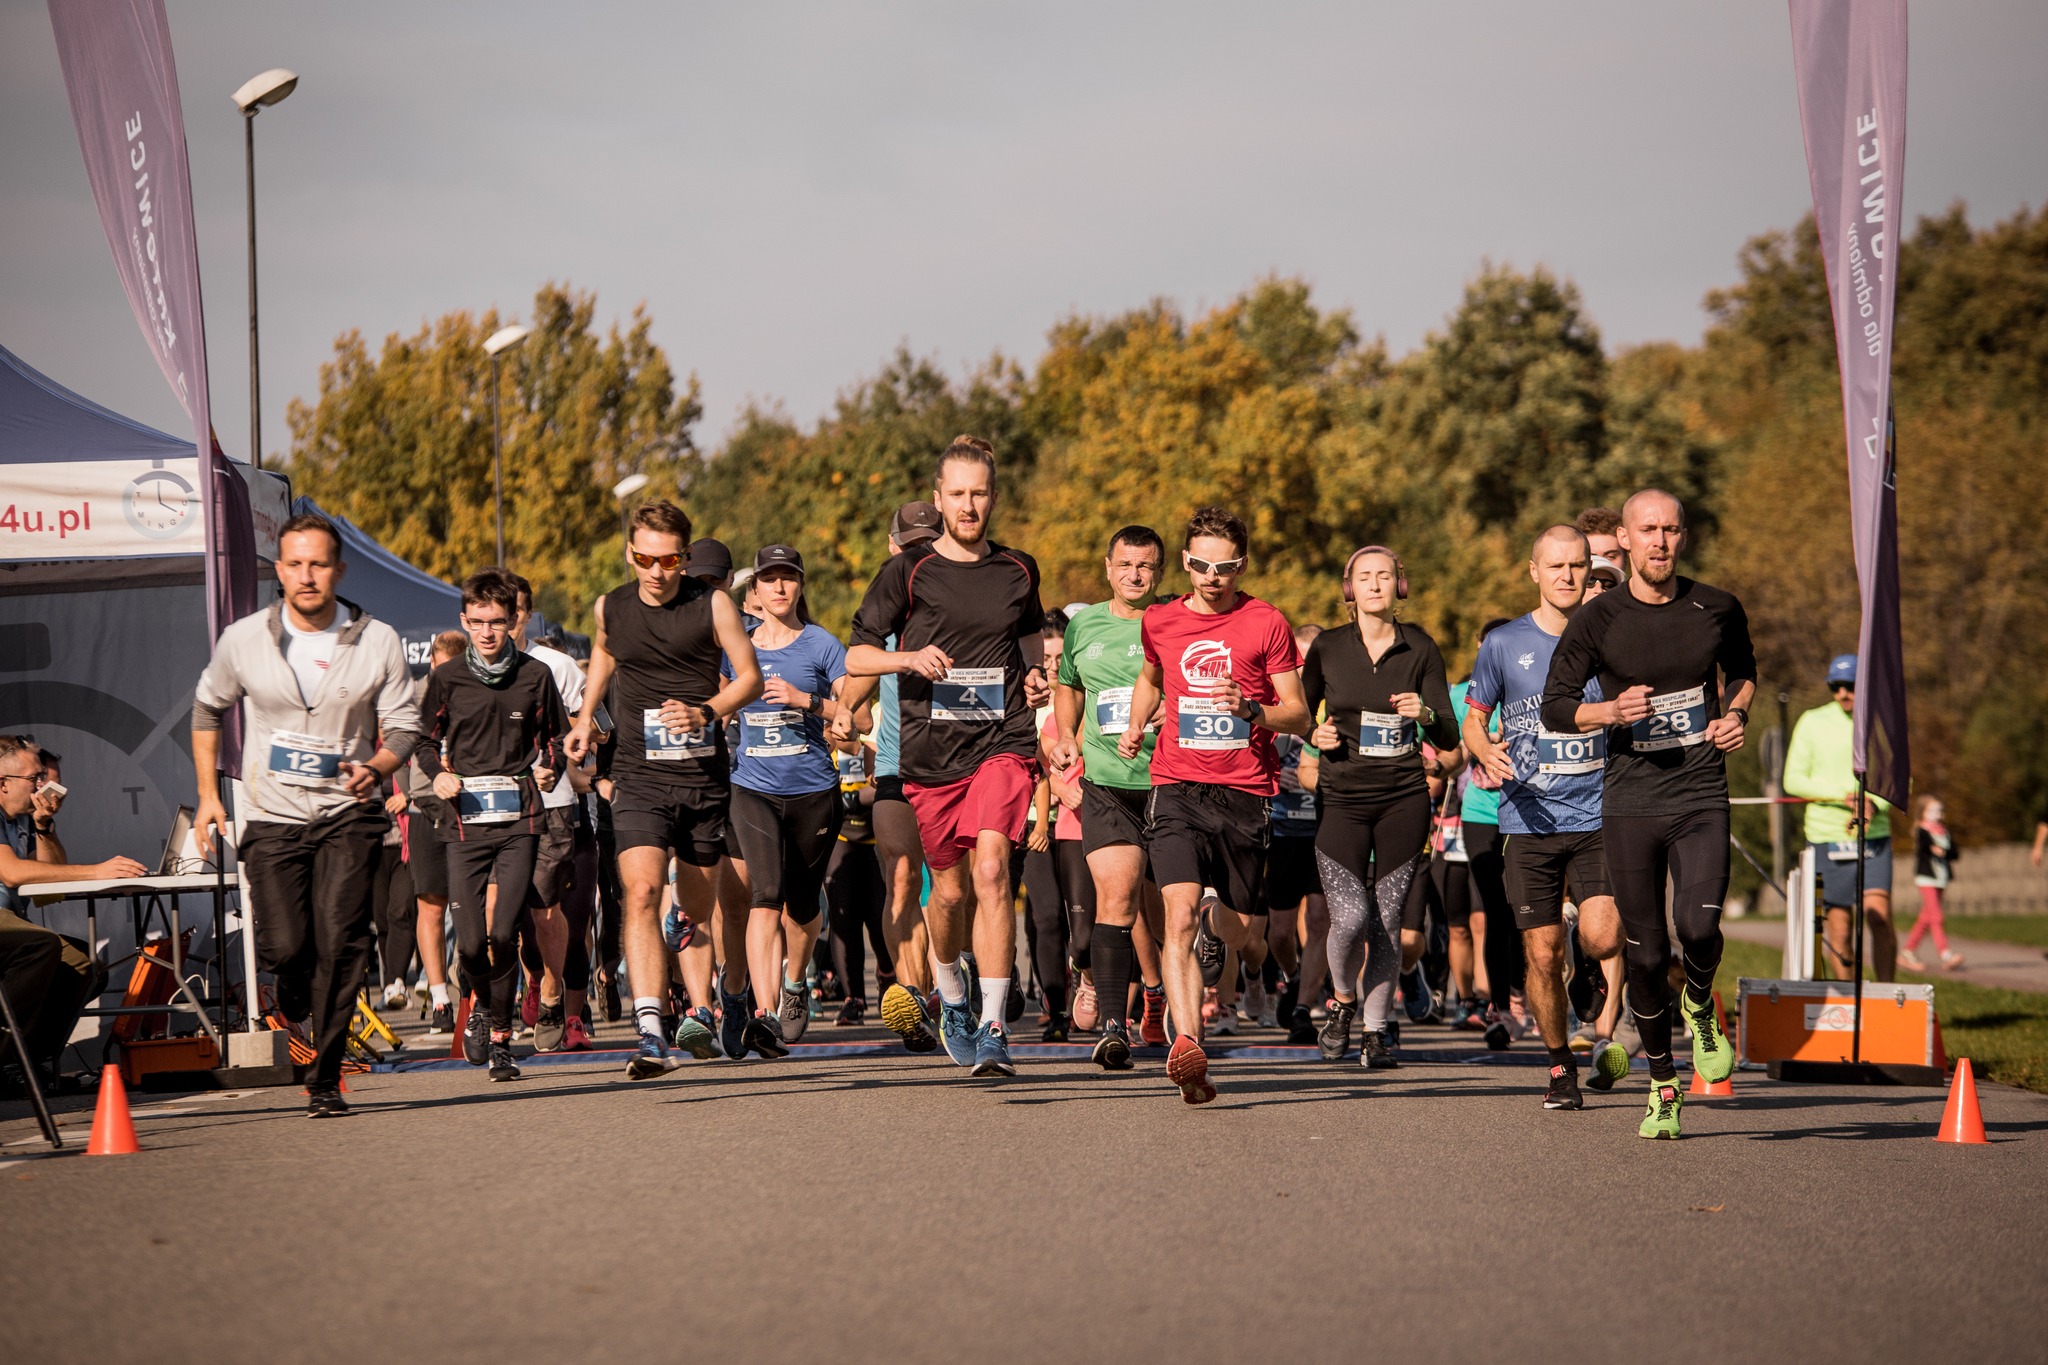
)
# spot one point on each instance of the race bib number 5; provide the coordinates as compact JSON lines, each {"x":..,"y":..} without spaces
{"x":672,"y":746}
{"x":1676,"y":720}
{"x":1113,"y":710}
{"x":1385,"y":735}
{"x":1566,"y":755}
{"x":304,"y":760}
{"x":775,"y":734}
{"x":1205,"y":723}
{"x":970,"y":694}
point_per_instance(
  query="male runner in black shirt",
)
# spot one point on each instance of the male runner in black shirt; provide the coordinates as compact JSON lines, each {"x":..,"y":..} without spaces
{"x":1675,"y":656}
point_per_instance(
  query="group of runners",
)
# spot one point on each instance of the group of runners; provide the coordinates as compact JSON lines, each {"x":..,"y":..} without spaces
{"x":1211,"y":807}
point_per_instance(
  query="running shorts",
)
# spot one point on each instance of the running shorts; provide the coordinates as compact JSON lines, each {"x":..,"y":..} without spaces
{"x":425,"y":856}
{"x":1837,"y":864}
{"x":1210,"y":836}
{"x":1291,"y":872}
{"x":786,"y":843}
{"x":952,"y":815}
{"x":1112,"y":815}
{"x":689,"y":821}
{"x":1543,"y":868}
{"x":551,"y":865}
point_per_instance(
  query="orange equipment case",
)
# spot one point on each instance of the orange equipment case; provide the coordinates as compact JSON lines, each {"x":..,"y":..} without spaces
{"x":1813,"y":1021}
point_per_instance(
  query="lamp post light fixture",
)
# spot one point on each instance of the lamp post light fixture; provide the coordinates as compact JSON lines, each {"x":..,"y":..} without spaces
{"x":623,"y":489}
{"x":257,"y":94}
{"x":504,"y":339}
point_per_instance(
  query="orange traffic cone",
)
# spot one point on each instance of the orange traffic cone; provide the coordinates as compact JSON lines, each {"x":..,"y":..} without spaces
{"x":1960,"y":1122}
{"x":1702,"y":1086}
{"x":113,"y":1132}
{"x":461,"y":1027}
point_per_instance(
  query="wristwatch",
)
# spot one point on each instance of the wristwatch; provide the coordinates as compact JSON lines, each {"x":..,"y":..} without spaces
{"x":1741,"y":713}
{"x":817,"y":705}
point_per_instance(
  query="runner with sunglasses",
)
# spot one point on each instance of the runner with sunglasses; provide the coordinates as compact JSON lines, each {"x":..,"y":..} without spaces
{"x":491,"y":729}
{"x":657,"y":651}
{"x":968,"y":658}
{"x":1674,"y":655}
{"x":1224,"y":667}
{"x":1382,"y":680}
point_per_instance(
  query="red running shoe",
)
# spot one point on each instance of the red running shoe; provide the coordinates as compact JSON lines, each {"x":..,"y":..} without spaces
{"x":1187,"y":1066}
{"x":575,"y":1037}
{"x":1152,"y":1026}
{"x":529,"y":1008}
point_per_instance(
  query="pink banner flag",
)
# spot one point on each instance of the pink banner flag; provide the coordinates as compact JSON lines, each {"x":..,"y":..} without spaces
{"x":124,"y":98}
{"x":1851,"y":61}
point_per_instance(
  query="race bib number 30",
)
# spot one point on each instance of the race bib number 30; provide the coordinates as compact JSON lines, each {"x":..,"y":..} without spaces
{"x":304,"y":760}
{"x":1383,"y":735}
{"x":1113,"y":710}
{"x":488,"y":800}
{"x":1567,"y":755}
{"x":775,"y":734}
{"x":672,"y":746}
{"x":970,"y":694}
{"x":1676,"y":720}
{"x":1205,"y":723}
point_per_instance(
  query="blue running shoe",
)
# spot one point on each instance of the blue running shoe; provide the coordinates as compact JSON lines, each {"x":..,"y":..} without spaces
{"x":732,"y":1024}
{"x":957,"y":1030}
{"x":676,"y":929}
{"x":992,"y":1052}
{"x":1416,"y":998}
{"x":653,"y":1059}
{"x":694,"y":1034}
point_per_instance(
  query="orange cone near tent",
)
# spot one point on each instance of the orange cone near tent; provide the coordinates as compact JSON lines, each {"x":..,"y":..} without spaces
{"x":1962,"y":1121}
{"x":113,"y":1132}
{"x":1702,"y":1086}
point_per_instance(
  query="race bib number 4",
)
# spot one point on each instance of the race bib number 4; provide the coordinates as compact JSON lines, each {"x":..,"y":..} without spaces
{"x":1113,"y":710}
{"x":1205,"y":723}
{"x":1568,"y":755}
{"x":1382,"y":735}
{"x":488,"y":800}
{"x":970,"y":694}
{"x":775,"y":734}
{"x":304,"y":760}
{"x":672,"y":746}
{"x":1676,"y":720}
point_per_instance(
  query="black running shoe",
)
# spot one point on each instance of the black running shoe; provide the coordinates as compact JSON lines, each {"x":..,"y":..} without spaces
{"x":503,"y":1068}
{"x":1013,"y":1005}
{"x":1287,"y":997}
{"x":1301,"y":1030}
{"x":1208,"y":948}
{"x":1564,"y":1089}
{"x":1497,"y":1035}
{"x":614,"y":1008}
{"x":1055,"y":1030}
{"x":1377,"y":1054}
{"x":443,"y":1019}
{"x":1335,"y":1039}
{"x":476,"y":1036}
{"x":853,"y":1013}
{"x":326,"y":1104}
{"x":763,"y":1036}
{"x":1113,"y":1048}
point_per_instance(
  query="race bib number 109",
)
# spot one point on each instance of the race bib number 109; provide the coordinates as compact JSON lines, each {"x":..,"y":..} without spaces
{"x":672,"y":746}
{"x":1676,"y":720}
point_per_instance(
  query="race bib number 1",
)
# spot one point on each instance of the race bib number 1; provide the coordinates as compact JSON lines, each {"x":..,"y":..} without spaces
{"x":1113,"y":710}
{"x":1566,"y":755}
{"x":970,"y":694}
{"x":488,"y":800}
{"x":1205,"y":723}
{"x":304,"y":760}
{"x":775,"y":734}
{"x":672,"y":746}
{"x":1383,"y":735}
{"x":1676,"y":720}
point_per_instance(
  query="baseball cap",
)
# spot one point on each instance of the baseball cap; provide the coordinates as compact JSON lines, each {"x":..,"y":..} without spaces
{"x":710,"y":560}
{"x":1842,"y":669}
{"x":915,"y":522}
{"x":1603,"y":565}
{"x":1074,"y":609}
{"x":778,"y":557}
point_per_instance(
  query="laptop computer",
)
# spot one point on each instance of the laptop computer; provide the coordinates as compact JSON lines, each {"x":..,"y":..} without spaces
{"x":181,"y":850}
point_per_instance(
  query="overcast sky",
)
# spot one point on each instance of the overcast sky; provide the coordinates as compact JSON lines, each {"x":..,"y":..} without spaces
{"x":794,"y":189}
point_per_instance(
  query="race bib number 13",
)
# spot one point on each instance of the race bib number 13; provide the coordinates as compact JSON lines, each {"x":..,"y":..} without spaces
{"x":1384,"y":735}
{"x":1676,"y":720}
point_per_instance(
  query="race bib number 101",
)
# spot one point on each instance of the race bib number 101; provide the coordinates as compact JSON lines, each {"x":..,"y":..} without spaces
{"x":1676,"y":720}
{"x":1565,"y":755}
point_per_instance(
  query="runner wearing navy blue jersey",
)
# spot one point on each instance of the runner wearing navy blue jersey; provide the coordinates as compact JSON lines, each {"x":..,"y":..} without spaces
{"x":1675,"y":657}
{"x":1549,"y":805}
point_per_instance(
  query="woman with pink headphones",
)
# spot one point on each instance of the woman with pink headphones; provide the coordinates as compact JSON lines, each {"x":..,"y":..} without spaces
{"x":1377,"y":688}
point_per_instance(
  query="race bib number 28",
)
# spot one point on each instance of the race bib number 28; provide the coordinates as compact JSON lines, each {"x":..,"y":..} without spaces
{"x":1676,"y":720}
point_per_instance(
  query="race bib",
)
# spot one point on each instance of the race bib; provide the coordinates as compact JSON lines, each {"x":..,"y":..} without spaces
{"x":1842,"y":851}
{"x":305,"y":760}
{"x":1113,"y":710}
{"x":1383,"y":735}
{"x":1567,"y":755}
{"x":672,"y":746}
{"x":1450,"y":839}
{"x":488,"y":800}
{"x":1205,"y":723}
{"x":1297,"y":807}
{"x":1676,"y":720}
{"x":969,"y":694}
{"x":775,"y":734}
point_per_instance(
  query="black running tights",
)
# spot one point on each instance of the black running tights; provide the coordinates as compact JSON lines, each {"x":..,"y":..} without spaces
{"x":1691,"y":851}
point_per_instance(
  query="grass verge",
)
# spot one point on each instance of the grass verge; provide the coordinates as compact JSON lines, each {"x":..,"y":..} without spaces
{"x":2003,"y":1033}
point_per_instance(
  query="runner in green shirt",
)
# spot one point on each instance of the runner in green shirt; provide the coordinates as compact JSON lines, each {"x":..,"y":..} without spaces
{"x":1092,"y":700}
{"x":1819,"y":765}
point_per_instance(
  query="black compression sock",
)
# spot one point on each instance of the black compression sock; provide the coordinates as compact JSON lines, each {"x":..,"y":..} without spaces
{"x":1113,"y":956}
{"x":1562,"y":1056}
{"x":1662,"y":1068}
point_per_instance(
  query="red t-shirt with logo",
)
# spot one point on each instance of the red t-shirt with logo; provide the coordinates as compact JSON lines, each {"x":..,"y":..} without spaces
{"x":1196,"y":651}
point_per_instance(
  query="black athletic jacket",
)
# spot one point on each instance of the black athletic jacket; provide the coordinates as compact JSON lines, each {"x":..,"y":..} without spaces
{"x":504,"y":729}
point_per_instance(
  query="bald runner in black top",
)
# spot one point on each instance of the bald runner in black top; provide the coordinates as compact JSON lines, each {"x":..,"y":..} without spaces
{"x":977,"y":611}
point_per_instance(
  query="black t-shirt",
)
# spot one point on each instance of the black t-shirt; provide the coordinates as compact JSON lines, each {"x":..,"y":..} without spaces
{"x":501,"y":729}
{"x":664,"y":653}
{"x":1684,"y":650}
{"x":976,"y":611}
{"x":1379,"y":757}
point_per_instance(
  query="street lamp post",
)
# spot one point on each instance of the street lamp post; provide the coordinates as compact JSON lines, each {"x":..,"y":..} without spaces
{"x":623,"y":489}
{"x":504,"y":339}
{"x":256,"y":94}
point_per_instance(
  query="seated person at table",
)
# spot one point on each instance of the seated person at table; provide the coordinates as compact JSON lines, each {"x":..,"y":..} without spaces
{"x":49,"y":978}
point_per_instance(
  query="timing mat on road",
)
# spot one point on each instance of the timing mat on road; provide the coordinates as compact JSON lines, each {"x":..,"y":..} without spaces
{"x":1066,"y":1052}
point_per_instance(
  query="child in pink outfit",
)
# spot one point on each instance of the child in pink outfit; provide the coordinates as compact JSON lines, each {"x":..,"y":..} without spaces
{"x":1934,"y":851}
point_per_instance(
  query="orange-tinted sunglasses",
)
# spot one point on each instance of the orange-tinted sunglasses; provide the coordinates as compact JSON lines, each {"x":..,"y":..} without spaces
{"x":649,"y":561}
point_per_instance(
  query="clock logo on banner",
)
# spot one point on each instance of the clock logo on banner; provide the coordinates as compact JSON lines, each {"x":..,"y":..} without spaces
{"x":158,"y":503}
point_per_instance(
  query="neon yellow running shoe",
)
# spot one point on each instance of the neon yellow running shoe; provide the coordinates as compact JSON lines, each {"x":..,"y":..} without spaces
{"x":1713,"y":1056}
{"x":903,"y":1015}
{"x":1666,"y":1099}
{"x":1610,"y":1064}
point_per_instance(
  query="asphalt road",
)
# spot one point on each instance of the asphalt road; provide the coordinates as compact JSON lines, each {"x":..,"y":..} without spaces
{"x":890,"y":1208}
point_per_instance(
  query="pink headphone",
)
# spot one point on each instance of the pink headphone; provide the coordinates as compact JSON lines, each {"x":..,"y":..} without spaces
{"x":1400,"y":570}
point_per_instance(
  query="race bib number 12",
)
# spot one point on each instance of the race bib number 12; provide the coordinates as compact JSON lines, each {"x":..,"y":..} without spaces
{"x":304,"y":760}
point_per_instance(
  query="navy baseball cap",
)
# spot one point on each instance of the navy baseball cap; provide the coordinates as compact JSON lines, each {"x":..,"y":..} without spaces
{"x":1842,"y":669}
{"x":710,"y":560}
{"x":778,"y":557}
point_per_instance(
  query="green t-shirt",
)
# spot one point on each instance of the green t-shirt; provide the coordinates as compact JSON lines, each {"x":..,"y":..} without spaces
{"x":1820,"y":765}
{"x":1480,"y":805}
{"x":1102,"y":657}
